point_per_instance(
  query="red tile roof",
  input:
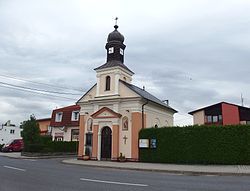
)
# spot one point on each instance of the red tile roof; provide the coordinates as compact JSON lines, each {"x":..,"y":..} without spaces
{"x":66,"y":117}
{"x":192,"y":112}
{"x":43,"y":119}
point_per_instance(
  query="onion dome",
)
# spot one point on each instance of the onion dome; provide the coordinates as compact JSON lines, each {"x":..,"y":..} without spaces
{"x":115,"y":35}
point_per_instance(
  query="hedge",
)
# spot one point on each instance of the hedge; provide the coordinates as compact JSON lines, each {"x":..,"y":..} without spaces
{"x":46,"y":145}
{"x":198,"y":145}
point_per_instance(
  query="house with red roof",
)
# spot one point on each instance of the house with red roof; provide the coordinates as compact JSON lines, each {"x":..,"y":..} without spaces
{"x":44,"y":125}
{"x":222,"y":113}
{"x":65,"y":123}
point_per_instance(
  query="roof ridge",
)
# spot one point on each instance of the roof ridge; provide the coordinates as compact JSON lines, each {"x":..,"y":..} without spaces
{"x":113,"y":63}
{"x":147,"y":95}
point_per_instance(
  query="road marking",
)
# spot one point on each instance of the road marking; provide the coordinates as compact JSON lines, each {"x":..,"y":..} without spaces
{"x":14,"y":168}
{"x":110,"y":182}
{"x":30,"y":160}
{"x":211,"y":175}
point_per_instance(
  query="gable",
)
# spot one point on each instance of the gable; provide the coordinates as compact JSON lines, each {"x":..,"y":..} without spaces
{"x":125,"y":92}
{"x":105,"y":112}
{"x":90,"y":94}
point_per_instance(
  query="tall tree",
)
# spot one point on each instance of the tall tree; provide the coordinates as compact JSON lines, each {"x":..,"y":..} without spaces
{"x":31,"y":131}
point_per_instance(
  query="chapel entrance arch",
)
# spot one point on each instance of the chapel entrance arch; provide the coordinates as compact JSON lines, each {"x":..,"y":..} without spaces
{"x":106,"y":143}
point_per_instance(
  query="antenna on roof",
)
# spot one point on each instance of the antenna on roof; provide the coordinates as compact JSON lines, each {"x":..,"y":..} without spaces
{"x":166,"y":101}
{"x":242,"y":100}
{"x":143,"y":87}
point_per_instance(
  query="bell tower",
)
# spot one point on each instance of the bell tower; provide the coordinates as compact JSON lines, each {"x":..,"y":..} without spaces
{"x":109,"y":74}
{"x":115,"y":47}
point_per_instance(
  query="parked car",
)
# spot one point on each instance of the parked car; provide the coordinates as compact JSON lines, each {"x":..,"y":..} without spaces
{"x":15,"y":145}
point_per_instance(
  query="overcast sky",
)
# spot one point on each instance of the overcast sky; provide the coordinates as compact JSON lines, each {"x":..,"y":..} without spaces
{"x":193,"y":53}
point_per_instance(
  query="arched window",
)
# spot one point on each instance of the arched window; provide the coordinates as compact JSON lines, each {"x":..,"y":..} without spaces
{"x":124,"y":123}
{"x":107,"y":83}
{"x":157,"y":123}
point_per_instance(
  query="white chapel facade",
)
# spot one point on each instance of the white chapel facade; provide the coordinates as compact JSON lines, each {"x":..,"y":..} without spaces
{"x":113,"y":111}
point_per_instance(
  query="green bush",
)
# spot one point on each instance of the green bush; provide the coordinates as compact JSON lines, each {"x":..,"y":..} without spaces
{"x":198,"y":145}
{"x":35,"y":143}
{"x":60,"y":146}
{"x":53,"y":147}
{"x":1,"y":146}
{"x":45,"y":139}
{"x":34,"y":148}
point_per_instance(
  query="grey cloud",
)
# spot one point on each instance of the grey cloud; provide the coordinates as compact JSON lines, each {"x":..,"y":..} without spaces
{"x":193,"y":53}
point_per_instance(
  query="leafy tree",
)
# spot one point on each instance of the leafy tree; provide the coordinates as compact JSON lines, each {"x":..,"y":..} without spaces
{"x":31,"y":132}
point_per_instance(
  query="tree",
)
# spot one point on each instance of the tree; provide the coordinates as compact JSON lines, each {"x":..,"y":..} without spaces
{"x":31,"y":132}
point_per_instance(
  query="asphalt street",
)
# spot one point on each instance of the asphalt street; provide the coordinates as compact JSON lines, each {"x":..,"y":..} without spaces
{"x":52,"y":175}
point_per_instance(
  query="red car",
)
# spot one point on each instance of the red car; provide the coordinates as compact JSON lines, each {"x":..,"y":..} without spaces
{"x":13,"y":146}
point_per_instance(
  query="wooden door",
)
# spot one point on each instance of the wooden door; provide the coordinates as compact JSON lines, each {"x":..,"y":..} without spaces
{"x":106,"y":143}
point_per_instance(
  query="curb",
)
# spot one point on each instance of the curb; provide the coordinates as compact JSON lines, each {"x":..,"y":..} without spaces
{"x":183,"y":172}
{"x":36,"y":157}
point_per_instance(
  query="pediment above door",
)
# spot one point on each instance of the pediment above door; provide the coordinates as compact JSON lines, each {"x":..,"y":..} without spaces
{"x":105,"y":112}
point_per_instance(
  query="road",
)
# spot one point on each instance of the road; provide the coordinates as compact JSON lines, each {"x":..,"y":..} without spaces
{"x":52,"y":175}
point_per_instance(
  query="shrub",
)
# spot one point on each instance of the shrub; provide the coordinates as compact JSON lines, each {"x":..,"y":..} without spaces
{"x":35,"y":143}
{"x":60,"y":146}
{"x":45,"y":139}
{"x":198,"y":145}
{"x":34,"y":148}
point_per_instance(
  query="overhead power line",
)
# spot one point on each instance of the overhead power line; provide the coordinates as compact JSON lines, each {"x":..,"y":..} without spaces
{"x":32,"y":91}
{"x":40,"y":90}
{"x":40,"y":83}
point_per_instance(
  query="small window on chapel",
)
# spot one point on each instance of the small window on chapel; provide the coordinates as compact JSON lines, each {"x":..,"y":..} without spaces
{"x":107,"y":83}
{"x":111,"y":50}
{"x":121,"y":51}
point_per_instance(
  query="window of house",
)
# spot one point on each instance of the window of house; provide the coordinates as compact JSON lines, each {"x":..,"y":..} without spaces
{"x":124,"y":123}
{"x":107,"y":83}
{"x":209,"y":118}
{"x":59,"y":117}
{"x":12,"y":131}
{"x":58,"y":138}
{"x":220,"y":117}
{"x":75,"y":116}
{"x":74,"y":134}
{"x":215,"y":119}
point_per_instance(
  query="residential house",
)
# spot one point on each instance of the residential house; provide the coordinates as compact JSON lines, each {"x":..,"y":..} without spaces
{"x":113,"y":110}
{"x":65,"y":123}
{"x":222,"y":113}
{"x":9,"y":132}
{"x":44,"y":126}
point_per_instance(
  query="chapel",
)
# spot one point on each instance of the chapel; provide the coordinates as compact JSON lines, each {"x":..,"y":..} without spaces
{"x":113,"y":110}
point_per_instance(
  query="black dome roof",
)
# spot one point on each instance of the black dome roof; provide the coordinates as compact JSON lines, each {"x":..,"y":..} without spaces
{"x":115,"y":35}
